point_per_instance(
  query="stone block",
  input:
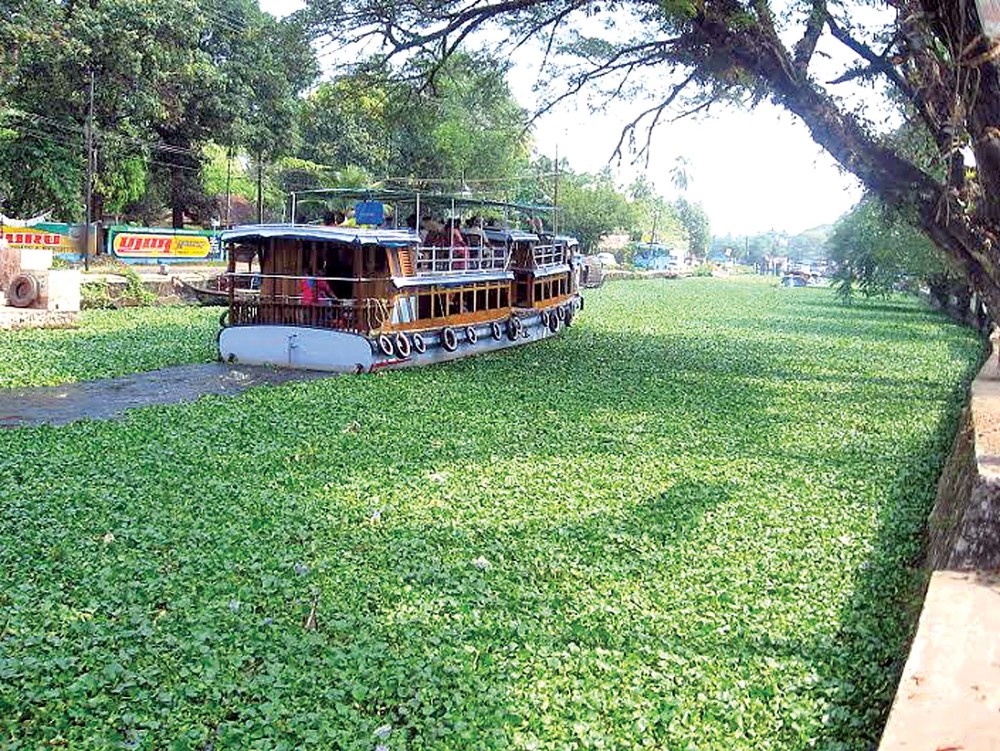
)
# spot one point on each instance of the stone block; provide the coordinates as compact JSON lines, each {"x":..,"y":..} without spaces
{"x":36,"y":259}
{"x":61,"y":291}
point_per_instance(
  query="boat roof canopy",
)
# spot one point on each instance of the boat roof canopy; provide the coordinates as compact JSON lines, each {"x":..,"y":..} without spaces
{"x":348,"y":235}
{"x":509,"y":235}
{"x":566,"y":239}
{"x":427,"y":197}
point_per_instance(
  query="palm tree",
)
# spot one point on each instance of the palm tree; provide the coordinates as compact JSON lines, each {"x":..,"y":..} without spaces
{"x":679,"y":175}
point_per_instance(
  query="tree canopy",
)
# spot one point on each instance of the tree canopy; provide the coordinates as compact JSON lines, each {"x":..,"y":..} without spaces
{"x":926,"y":60}
{"x":170,"y":77}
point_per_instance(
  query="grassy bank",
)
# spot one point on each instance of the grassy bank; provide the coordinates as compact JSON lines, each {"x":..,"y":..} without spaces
{"x":691,"y":522}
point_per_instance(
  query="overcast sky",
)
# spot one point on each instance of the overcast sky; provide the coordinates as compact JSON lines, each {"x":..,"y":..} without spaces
{"x":753,"y":171}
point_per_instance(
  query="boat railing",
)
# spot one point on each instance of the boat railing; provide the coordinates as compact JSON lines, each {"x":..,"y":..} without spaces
{"x":459,"y":260}
{"x":549,"y":255}
{"x":268,"y":306}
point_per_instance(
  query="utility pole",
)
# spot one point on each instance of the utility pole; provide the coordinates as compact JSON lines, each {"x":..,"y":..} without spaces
{"x":229,"y":176}
{"x":260,"y":187}
{"x":90,"y":173}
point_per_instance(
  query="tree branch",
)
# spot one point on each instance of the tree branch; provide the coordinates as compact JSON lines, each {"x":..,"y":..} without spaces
{"x":629,"y":130}
{"x":806,"y":46}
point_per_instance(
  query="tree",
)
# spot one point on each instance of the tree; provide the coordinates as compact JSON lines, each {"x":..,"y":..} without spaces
{"x":592,"y":207}
{"x":877,"y":252}
{"x":171,"y":76}
{"x":461,"y":126}
{"x":653,"y":218}
{"x":695,"y":221}
{"x":932,"y":60}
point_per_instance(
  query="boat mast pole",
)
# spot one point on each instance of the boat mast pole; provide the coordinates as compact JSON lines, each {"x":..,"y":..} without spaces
{"x":555,"y":198}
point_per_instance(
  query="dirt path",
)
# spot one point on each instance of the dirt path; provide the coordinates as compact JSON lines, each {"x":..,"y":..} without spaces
{"x":108,"y":399}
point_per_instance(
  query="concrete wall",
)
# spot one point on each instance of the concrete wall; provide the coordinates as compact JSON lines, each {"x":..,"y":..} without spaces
{"x":949,"y":693}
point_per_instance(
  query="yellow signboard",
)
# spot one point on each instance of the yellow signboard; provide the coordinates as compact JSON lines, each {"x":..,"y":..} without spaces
{"x":147,"y":245}
{"x":30,"y":239}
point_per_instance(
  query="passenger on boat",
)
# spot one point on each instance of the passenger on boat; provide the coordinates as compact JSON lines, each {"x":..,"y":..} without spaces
{"x":455,"y":241}
{"x":429,"y":229}
{"x":474,"y":232}
{"x":316,"y":291}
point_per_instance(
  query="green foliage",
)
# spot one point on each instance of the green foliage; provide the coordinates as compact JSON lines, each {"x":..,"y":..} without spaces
{"x":694,"y":520}
{"x":653,"y":218}
{"x":702,"y":269}
{"x":170,"y":76}
{"x":592,"y":207}
{"x":877,"y":251}
{"x":96,"y":295}
{"x":696,"y":223}
{"x":108,"y":343}
{"x":102,"y":295}
{"x":463,"y":125}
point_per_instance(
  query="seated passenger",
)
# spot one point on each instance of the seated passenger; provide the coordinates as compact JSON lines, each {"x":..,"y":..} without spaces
{"x":460,"y":251}
{"x":315,"y":291}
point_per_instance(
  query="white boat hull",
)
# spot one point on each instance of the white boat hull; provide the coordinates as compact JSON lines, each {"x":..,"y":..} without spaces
{"x":344,"y":352}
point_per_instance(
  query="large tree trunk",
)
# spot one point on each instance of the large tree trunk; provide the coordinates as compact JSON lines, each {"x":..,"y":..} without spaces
{"x":966,"y":235}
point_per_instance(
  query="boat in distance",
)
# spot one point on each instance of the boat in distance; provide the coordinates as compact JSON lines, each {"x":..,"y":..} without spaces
{"x":354,"y":299}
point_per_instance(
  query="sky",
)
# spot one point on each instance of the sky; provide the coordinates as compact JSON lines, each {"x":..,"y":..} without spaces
{"x":752,"y":171}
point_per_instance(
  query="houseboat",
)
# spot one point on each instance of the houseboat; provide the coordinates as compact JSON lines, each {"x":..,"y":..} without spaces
{"x":358,"y":299}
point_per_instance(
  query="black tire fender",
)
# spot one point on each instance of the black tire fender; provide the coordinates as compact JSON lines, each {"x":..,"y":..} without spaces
{"x":554,"y":324}
{"x":419,"y":345}
{"x":514,"y":328}
{"x":385,"y":345}
{"x":561,"y":313}
{"x":496,"y":330}
{"x":448,"y":339}
{"x":23,"y":290}
{"x":402,"y":343}
{"x":471,"y":335}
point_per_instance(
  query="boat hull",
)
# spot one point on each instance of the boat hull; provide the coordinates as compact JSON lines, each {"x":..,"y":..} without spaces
{"x":309,"y":348}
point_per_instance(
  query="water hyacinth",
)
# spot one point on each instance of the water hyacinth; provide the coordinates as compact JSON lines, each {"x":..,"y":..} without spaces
{"x":691,"y":521}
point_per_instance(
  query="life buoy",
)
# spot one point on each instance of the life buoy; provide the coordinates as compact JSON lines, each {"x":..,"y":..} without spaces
{"x":514,"y":327}
{"x":471,"y":335}
{"x":561,"y":313}
{"x":385,"y":345}
{"x":553,"y":324}
{"x":448,"y":339}
{"x":496,"y":330}
{"x":419,"y":344}
{"x":402,"y":345}
{"x":23,"y":290}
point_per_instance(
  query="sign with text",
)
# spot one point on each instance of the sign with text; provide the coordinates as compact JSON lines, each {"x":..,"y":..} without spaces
{"x":162,"y":245}
{"x":53,"y":237}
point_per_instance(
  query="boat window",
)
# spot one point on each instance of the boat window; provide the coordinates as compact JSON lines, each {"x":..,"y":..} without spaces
{"x":443,"y":302}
